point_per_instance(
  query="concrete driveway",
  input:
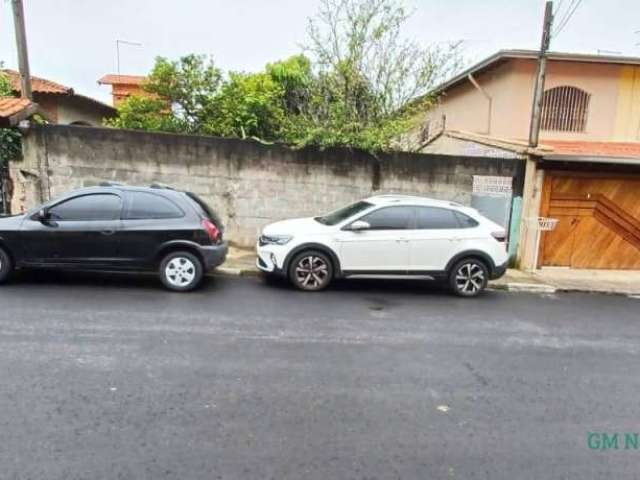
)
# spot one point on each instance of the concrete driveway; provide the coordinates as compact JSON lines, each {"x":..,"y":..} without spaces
{"x":112,"y":377}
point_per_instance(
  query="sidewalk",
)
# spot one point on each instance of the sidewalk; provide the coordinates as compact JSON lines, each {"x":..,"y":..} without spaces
{"x":546,"y":280}
{"x":239,"y":261}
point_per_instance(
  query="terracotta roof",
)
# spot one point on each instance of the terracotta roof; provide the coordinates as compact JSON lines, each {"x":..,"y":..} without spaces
{"x":38,"y":85}
{"x":115,"y":79}
{"x":563,"y":148}
{"x":42,"y":85}
{"x":12,"y":110}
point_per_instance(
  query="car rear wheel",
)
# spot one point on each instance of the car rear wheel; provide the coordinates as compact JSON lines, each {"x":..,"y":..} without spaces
{"x":311,"y":271}
{"x":469,"y":277}
{"x":6,"y":266}
{"x":181,"y":271}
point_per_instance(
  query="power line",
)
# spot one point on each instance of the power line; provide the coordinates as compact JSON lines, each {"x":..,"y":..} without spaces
{"x":559,"y":21}
{"x":567,"y":17}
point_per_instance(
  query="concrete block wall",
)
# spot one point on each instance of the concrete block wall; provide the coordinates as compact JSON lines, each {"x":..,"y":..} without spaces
{"x":247,"y":183}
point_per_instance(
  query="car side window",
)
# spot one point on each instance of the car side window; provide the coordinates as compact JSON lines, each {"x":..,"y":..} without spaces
{"x":92,"y":207}
{"x":149,"y":206}
{"x":466,"y":221}
{"x":432,"y":218}
{"x":390,"y":218}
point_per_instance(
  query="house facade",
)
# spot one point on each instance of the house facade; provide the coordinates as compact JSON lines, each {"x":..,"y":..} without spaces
{"x":61,"y":104}
{"x":586,"y":171}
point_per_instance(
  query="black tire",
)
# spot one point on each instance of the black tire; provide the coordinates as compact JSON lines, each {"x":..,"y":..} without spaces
{"x":311,"y":271}
{"x":181,"y":271}
{"x":469,"y":277}
{"x":6,"y":265}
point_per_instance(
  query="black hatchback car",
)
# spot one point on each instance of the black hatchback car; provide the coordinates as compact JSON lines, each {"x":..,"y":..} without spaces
{"x":118,"y":228}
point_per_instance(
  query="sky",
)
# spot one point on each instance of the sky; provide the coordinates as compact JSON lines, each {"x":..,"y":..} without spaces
{"x":73,"y":42}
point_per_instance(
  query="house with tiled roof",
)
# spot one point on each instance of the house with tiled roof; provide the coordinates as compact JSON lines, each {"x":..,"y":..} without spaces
{"x":61,"y":104}
{"x":585,"y":172}
{"x":123,"y":86}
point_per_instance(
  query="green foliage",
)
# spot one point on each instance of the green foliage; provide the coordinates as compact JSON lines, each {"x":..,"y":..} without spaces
{"x":10,"y":145}
{"x":10,"y":138}
{"x":145,"y":113}
{"x":5,"y":85}
{"x":371,"y":82}
{"x":360,"y":84}
{"x":190,"y":85}
{"x":249,"y":105}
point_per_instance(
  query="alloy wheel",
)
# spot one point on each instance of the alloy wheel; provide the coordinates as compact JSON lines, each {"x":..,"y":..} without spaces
{"x":470,"y":278}
{"x":312,"y":272}
{"x":180,"y":272}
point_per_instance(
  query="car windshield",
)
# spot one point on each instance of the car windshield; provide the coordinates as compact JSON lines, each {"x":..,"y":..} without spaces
{"x":338,"y":216}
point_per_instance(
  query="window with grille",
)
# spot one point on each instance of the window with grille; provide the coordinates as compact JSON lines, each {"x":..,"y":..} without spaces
{"x":565,"y":109}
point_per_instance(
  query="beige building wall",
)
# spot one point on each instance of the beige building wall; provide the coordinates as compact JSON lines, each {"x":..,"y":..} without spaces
{"x":614,"y":108}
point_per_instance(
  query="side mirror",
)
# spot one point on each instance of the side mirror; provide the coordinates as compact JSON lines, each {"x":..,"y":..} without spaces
{"x":42,"y":215}
{"x":359,"y":225}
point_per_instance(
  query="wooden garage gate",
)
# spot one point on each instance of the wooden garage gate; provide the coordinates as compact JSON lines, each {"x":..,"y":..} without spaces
{"x":599,"y":220}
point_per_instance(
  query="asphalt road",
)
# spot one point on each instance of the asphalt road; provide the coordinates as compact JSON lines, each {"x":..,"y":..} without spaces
{"x":111,"y":377}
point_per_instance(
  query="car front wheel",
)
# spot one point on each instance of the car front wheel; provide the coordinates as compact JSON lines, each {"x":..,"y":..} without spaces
{"x":469,"y":277}
{"x":6,"y":265}
{"x":181,"y":271}
{"x":311,"y":271}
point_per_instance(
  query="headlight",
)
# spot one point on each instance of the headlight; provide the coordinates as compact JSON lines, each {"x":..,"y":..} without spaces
{"x":274,"y":239}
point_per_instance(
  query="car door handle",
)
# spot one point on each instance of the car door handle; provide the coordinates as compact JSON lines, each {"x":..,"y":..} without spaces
{"x":108,"y":232}
{"x":402,"y":240}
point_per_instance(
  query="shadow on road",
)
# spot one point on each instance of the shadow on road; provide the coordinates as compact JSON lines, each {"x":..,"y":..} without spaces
{"x":369,"y":285}
{"x":109,"y":280}
{"x":218,"y":282}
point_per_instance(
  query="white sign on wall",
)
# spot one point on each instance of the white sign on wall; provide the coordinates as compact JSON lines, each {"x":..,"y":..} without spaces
{"x":492,"y":186}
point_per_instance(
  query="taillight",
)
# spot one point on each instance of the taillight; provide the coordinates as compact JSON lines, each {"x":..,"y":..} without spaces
{"x":499,"y":236}
{"x":211,"y":229}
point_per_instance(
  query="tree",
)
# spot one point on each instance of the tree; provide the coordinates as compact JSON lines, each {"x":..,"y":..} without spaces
{"x":370,"y":80}
{"x":146,"y":113}
{"x":180,"y":96}
{"x":10,"y":139}
{"x":5,"y":85}
{"x":192,"y":96}
{"x":360,"y":84}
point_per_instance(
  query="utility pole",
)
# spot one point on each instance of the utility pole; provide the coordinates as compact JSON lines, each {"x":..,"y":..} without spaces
{"x":527,"y":255}
{"x":536,"y":110}
{"x":21,"y":44}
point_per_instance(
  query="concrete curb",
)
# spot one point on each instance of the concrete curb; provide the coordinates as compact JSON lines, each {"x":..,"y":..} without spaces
{"x":530,"y":287}
{"x":523,"y":287}
{"x":238,"y":272}
{"x":600,"y":292}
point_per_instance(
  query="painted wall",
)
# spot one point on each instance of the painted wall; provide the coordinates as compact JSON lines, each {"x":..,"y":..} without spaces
{"x":248,"y":183}
{"x":614,"y":109}
{"x":67,"y":109}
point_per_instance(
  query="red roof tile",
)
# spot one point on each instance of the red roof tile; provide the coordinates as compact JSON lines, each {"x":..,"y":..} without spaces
{"x":10,"y":106}
{"x":593,"y":149}
{"x":115,"y":79}
{"x":12,"y":110}
{"x":38,"y":85}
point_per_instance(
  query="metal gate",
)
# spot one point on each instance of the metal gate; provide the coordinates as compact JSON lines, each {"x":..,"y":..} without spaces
{"x":492,"y":197}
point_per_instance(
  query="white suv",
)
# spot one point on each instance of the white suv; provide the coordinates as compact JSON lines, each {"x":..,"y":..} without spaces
{"x":387,"y":235}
